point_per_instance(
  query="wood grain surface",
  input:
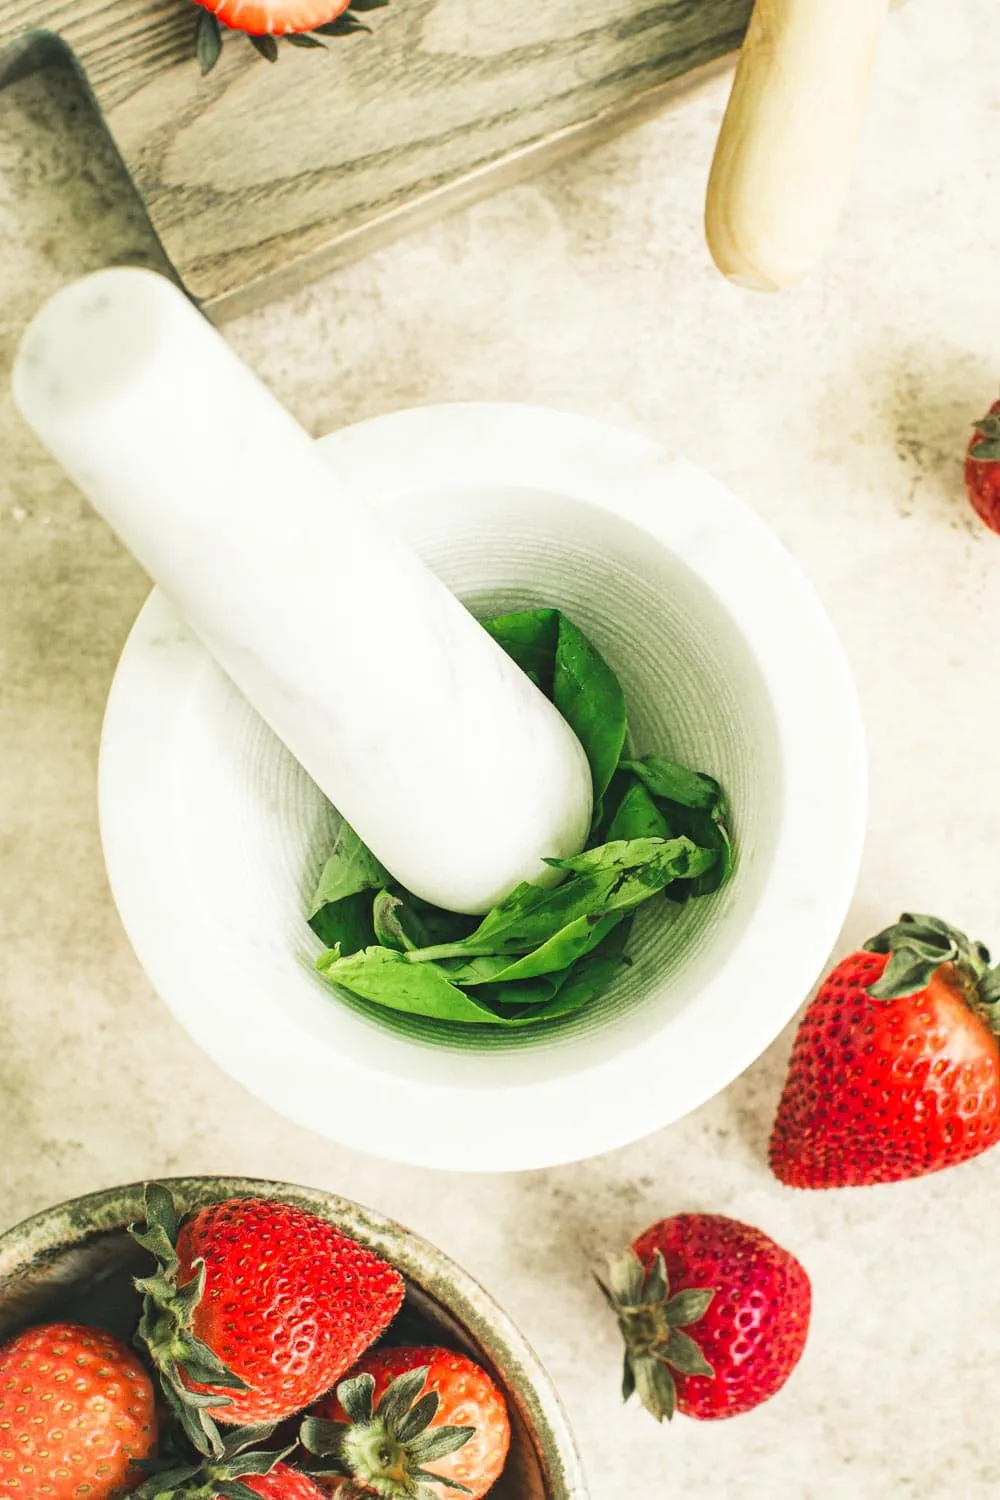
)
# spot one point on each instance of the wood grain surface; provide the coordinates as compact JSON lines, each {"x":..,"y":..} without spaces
{"x":261,"y":176}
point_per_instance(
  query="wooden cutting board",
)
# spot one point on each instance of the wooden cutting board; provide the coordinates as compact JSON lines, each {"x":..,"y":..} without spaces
{"x":259,"y":176}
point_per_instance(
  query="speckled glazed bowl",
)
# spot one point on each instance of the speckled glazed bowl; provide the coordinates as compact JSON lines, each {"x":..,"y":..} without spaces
{"x":76,"y":1261}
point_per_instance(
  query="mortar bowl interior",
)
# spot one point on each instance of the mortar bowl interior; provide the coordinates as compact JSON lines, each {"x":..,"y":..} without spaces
{"x":214,"y":835}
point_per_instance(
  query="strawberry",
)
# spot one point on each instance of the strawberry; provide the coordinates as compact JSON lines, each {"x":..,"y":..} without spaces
{"x":240,"y":1470}
{"x":748,"y":1299}
{"x":304,"y":23}
{"x":274,"y":17}
{"x":282,"y":1483}
{"x":256,"y":1309}
{"x":404,"y":1409}
{"x":76,"y":1407}
{"x":982,"y":468}
{"x":895,"y":1069}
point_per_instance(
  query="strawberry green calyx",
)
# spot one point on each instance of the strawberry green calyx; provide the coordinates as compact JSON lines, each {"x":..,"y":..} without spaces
{"x":650,"y":1321}
{"x":240,"y":1455}
{"x":987,"y":449}
{"x":209,"y":32}
{"x":165,"y":1328}
{"x":384,"y":1449}
{"x":918,"y":946}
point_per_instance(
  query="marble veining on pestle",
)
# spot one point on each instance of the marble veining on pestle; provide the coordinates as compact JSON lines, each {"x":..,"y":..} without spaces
{"x":454,"y":769}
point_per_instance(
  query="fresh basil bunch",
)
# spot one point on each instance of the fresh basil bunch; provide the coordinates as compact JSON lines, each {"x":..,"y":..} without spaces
{"x":542,"y":953}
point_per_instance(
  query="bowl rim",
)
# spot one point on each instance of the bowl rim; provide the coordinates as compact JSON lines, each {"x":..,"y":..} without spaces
{"x":79,"y":1220}
{"x":801,"y":908}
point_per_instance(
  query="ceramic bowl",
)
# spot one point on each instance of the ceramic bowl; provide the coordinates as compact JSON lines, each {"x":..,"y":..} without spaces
{"x":76,"y":1262}
{"x":214,"y":836}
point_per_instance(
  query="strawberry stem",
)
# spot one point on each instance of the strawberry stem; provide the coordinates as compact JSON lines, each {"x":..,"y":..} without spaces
{"x":918,"y":946}
{"x":650,"y":1321}
{"x":240,"y":1455}
{"x":386,"y":1448}
{"x":165,"y":1328}
{"x":987,"y":449}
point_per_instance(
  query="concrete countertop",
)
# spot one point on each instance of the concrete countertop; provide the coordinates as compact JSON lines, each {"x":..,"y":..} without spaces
{"x":840,"y":411}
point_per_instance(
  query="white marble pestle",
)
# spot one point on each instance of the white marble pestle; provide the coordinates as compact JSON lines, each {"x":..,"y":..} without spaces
{"x":454,"y":769}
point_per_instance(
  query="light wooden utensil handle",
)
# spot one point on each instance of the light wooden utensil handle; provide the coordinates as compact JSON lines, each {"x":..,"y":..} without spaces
{"x":786,"y":151}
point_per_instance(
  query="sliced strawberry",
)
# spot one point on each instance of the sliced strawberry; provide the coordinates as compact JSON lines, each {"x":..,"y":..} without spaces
{"x":274,"y":17}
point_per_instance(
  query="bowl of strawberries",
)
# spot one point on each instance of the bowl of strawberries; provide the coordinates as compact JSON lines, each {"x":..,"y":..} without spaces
{"x":225,"y":1337}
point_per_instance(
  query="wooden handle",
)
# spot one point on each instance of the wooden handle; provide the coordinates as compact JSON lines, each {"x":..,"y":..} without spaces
{"x":786,"y":151}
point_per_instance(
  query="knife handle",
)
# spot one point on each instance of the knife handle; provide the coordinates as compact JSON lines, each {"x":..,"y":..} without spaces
{"x":786,"y":150}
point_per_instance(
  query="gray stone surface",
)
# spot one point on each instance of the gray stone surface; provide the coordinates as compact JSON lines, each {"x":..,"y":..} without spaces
{"x":840,"y":411}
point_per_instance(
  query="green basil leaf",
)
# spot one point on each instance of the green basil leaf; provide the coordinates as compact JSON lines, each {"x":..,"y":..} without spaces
{"x":383,"y":977}
{"x":432,"y":924}
{"x":351,"y":868}
{"x":693,"y":805}
{"x":569,"y":669}
{"x":614,"y":795}
{"x":386,"y":978}
{"x":638,"y":817}
{"x":345,"y":924}
{"x":665,"y":778}
{"x":614,"y":877}
{"x":387,"y":918}
{"x":588,"y":979}
{"x":616,"y":860}
{"x":529,"y":637}
{"x":509,"y":1001}
{"x":708,"y":831}
{"x":560,"y":951}
{"x":341,"y":911}
{"x":705,"y":884}
{"x":403,"y":922}
{"x":482,"y":969}
{"x":588,"y":695}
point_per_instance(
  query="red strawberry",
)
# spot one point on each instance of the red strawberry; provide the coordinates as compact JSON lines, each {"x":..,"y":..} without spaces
{"x":982,"y":468}
{"x":274,"y":17}
{"x":76,"y":1407}
{"x":747,"y":1299}
{"x":282,"y":1483}
{"x":416,"y":1420}
{"x":239,"y":1469}
{"x":260,"y":1309}
{"x":895,"y":1069}
{"x":302,"y":22}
